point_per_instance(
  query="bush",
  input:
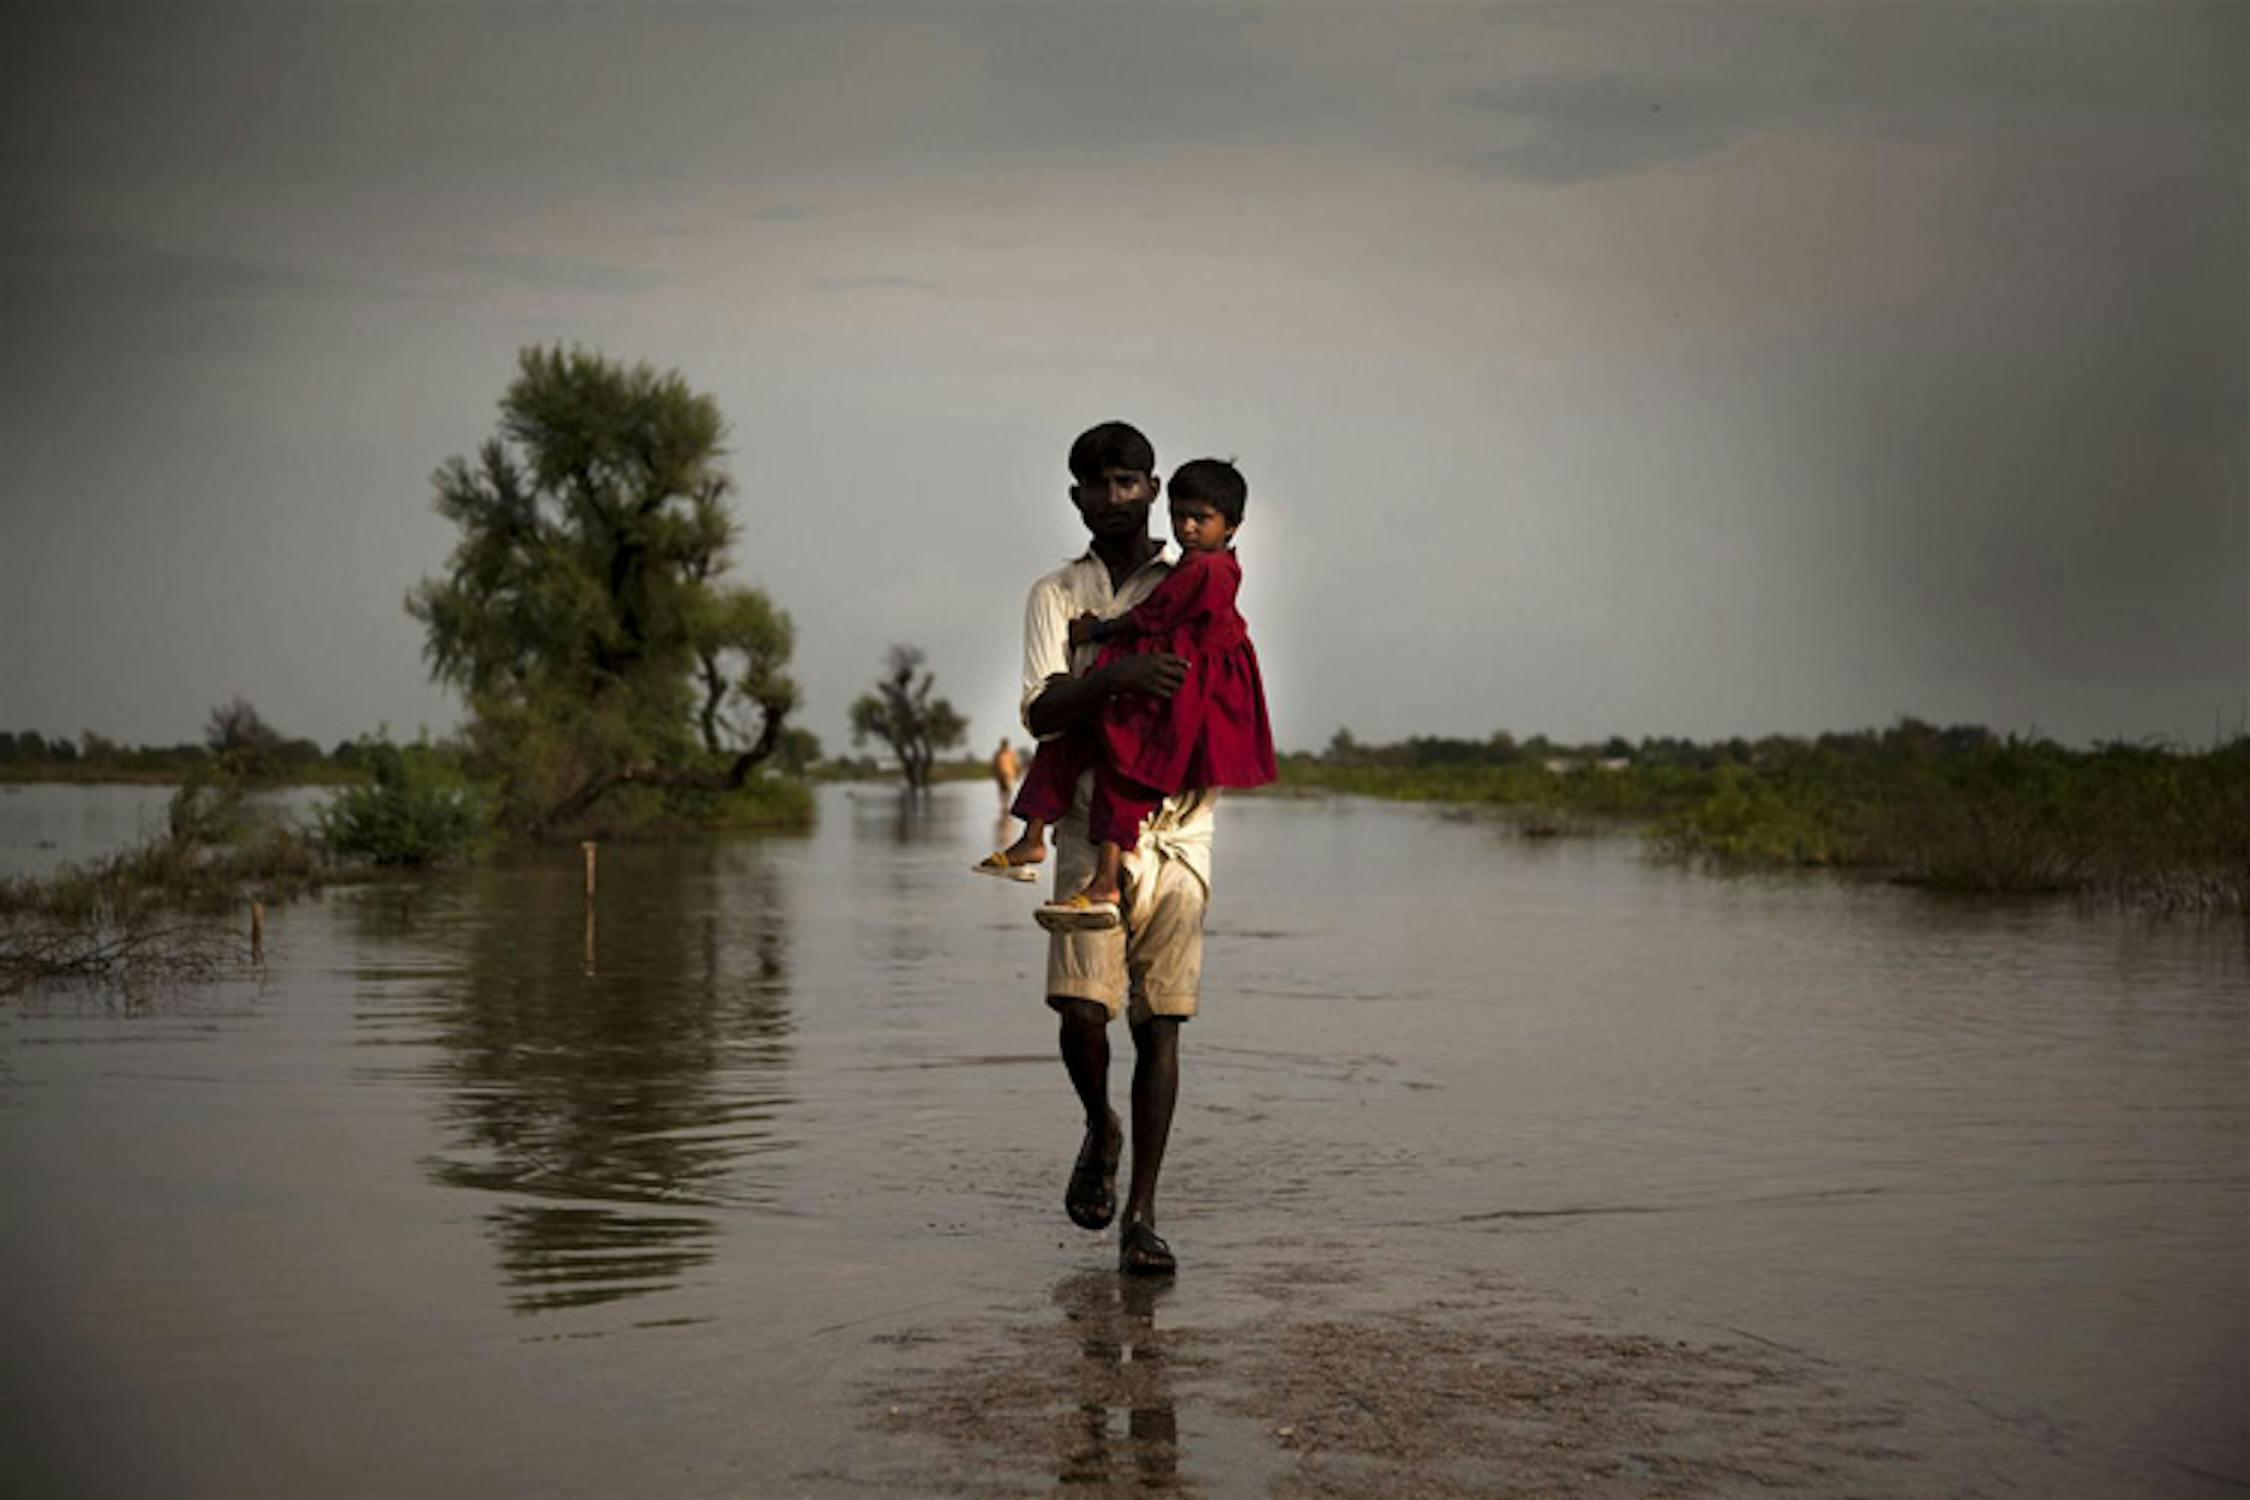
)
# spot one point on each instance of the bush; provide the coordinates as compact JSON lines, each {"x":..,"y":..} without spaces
{"x":206,"y":811}
{"x":419,"y":809}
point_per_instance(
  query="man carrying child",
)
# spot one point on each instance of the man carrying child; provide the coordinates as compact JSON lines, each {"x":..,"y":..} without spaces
{"x":1149,"y":968}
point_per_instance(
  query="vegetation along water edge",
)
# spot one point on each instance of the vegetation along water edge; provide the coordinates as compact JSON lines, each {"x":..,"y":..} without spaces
{"x":2150,"y":826}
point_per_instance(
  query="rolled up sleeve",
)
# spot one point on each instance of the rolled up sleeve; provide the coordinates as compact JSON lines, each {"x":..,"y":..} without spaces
{"x":1046,"y":643}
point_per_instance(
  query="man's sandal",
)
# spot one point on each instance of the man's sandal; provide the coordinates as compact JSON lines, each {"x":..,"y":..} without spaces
{"x":1141,"y":1251}
{"x":1091,"y":1198}
{"x":1077,"y":914}
{"x":996,"y":865}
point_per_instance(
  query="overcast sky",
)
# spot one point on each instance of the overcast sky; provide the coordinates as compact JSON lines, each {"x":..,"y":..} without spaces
{"x":1652,"y":369}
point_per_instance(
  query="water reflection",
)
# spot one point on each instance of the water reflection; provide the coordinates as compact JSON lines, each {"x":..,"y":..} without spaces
{"x":905,"y":816}
{"x":1127,"y":1433}
{"x":612,"y":1070}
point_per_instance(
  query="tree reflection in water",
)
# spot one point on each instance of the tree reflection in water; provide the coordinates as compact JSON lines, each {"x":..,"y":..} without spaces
{"x":651,"y":1076}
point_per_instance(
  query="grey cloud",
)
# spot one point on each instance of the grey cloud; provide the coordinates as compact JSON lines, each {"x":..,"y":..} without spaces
{"x":72,"y":297}
{"x":107,"y":264}
{"x":840,"y":284}
{"x":1684,"y":82}
{"x":569,"y":273}
{"x":1593,"y":127}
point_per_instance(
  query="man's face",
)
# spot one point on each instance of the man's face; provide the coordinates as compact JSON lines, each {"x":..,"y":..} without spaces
{"x":1116,"y":505}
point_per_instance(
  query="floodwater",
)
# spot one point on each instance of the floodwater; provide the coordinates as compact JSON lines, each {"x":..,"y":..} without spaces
{"x":46,"y":825}
{"x":1501,"y":1167}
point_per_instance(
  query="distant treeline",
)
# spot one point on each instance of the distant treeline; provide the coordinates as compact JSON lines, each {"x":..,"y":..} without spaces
{"x":91,"y":754}
{"x":1959,"y":807}
{"x":236,"y":743}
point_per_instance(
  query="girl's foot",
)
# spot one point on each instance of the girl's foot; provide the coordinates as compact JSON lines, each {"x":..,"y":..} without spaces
{"x":996,"y":864}
{"x":1015,"y":861}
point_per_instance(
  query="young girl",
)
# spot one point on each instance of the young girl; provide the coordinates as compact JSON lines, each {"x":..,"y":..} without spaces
{"x":1212,"y":732}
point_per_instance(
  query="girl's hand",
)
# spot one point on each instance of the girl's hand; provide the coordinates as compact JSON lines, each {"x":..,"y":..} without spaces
{"x":1082,"y":628}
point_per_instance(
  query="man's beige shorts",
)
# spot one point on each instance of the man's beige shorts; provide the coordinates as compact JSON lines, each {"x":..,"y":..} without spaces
{"x":1153,"y":965}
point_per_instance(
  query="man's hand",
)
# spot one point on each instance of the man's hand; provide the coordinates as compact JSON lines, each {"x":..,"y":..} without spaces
{"x":1157,"y":672}
{"x":1082,"y":628}
{"x":1067,"y":701}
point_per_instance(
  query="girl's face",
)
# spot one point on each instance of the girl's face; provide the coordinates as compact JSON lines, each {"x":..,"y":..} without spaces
{"x":1199,"y":527}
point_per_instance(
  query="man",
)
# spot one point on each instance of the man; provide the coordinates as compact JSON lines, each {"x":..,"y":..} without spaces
{"x":1148,"y":969}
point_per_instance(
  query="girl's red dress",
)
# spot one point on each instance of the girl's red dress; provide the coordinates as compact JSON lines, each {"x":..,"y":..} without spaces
{"x":1212,"y":732}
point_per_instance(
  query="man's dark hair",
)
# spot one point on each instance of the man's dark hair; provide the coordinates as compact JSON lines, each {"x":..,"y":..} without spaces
{"x":1215,"y":482}
{"x":1112,"y":445}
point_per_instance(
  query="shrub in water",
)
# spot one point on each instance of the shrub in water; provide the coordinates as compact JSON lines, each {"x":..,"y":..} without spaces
{"x":419,"y":809}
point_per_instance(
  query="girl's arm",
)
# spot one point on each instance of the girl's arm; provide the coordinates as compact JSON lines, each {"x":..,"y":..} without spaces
{"x":1197,"y":586}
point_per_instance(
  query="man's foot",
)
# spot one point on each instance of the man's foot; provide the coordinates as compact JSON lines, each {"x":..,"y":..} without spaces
{"x":1141,"y":1251}
{"x":1091,"y":1198}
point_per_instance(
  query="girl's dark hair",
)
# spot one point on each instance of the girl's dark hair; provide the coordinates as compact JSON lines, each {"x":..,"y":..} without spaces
{"x":1216,"y":482}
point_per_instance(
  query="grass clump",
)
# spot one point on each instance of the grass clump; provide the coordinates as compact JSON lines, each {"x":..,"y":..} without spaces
{"x":148,"y":913}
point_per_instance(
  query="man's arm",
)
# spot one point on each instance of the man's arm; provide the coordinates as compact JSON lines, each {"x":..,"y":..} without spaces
{"x":1053,"y":700}
{"x":1068,"y":701}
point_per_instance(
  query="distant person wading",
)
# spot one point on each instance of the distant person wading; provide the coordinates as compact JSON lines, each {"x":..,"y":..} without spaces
{"x":1005,"y":769}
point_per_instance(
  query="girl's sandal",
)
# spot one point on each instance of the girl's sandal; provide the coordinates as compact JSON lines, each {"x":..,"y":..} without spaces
{"x":1077,"y":914}
{"x":996,"y":865}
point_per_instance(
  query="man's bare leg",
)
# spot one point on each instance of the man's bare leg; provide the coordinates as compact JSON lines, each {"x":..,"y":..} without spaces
{"x":1156,"y":1087}
{"x":1084,"y":1041}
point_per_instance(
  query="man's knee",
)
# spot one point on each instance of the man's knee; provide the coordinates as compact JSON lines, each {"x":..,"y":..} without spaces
{"x":1080,"y":1014}
{"x":1156,"y":1033}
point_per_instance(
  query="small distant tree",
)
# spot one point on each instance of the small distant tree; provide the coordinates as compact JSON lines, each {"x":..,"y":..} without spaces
{"x":298,"y":756}
{"x":798,"y":749}
{"x":241,"y":738}
{"x":902,"y":714}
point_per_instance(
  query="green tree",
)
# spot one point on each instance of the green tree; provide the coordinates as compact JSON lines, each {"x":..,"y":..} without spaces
{"x":902,"y":714}
{"x":583,"y":614}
